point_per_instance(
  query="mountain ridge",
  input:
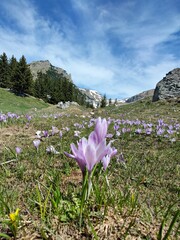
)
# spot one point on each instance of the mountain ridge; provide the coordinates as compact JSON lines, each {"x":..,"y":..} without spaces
{"x":92,"y":97}
{"x":43,"y":66}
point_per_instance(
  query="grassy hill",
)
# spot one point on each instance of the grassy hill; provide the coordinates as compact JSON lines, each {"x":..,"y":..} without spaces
{"x":137,"y":197}
{"x":10,"y":102}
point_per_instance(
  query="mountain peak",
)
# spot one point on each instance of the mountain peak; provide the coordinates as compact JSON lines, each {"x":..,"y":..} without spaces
{"x":43,"y":66}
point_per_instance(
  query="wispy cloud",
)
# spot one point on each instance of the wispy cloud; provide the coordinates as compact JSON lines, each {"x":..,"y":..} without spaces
{"x":118,"y":48}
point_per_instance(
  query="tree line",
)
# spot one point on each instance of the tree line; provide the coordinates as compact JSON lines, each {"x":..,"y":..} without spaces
{"x":51,"y":86}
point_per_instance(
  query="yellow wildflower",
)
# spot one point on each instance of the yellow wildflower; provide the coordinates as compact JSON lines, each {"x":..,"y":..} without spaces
{"x":14,"y":215}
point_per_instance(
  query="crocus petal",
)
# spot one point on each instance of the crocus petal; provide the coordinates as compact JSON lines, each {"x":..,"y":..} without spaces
{"x":106,"y":161}
{"x":74,"y":149}
{"x":101,"y":150}
{"x":93,"y":138}
{"x":36,"y":143}
{"x":90,"y":156}
{"x":82,"y":163}
{"x":18,"y":150}
{"x":101,"y":128}
{"x":111,"y":150}
{"x":69,"y":155}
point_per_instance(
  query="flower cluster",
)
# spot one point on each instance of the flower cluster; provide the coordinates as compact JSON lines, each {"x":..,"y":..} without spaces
{"x":5,"y":117}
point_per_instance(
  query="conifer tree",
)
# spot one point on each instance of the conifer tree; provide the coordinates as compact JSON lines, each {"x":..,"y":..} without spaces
{"x":4,"y":71}
{"x":39,"y":86}
{"x":70,"y":91}
{"x":110,"y":101}
{"x":12,"y":67}
{"x":22,"y":80}
{"x":103,"y":101}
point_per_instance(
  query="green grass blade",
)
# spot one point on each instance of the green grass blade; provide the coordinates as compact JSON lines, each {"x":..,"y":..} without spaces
{"x":171,"y":225}
{"x":5,"y":236}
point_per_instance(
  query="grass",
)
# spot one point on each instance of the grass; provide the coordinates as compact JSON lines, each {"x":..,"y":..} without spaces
{"x":136,"y":198}
{"x":10,"y":102}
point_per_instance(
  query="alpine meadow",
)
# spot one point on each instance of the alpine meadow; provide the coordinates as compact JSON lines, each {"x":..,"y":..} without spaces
{"x":82,"y":173}
{"x":90,"y":120}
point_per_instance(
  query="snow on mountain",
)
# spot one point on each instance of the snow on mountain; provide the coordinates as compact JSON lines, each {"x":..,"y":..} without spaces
{"x":92,"y":97}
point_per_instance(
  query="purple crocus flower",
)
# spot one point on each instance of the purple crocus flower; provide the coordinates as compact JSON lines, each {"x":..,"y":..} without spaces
{"x":18,"y":150}
{"x":88,"y":152}
{"x":160,"y":122}
{"x":160,"y":131}
{"x":28,"y":117}
{"x":60,"y":134}
{"x":36,"y":143}
{"x":138,"y":130}
{"x":124,"y":130}
{"x":148,"y":131}
{"x":106,"y":159}
{"x":3,"y":118}
{"x":109,"y":135}
{"x":116,"y":127}
{"x":170,"y":131}
{"x":101,"y":129}
{"x":45,"y":133}
{"x":92,"y":150}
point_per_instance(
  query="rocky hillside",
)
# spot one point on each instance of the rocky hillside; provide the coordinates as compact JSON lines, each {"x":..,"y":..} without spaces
{"x":92,"y":97}
{"x":139,"y":96}
{"x":44,"y":66}
{"x":168,"y":87}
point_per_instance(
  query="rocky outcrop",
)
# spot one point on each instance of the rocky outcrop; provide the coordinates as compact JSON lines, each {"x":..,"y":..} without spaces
{"x":44,"y":66}
{"x":168,"y":87}
{"x":62,"y":105}
{"x":92,"y":97}
{"x":140,"y":96}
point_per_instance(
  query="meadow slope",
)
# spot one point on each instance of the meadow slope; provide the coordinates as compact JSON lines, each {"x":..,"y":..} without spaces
{"x":42,"y":195}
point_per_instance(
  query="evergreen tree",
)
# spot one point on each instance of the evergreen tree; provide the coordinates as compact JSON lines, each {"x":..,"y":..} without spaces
{"x":12,"y":67}
{"x":39,"y":86}
{"x":65,"y":88}
{"x":4,"y":71}
{"x":103,"y":101}
{"x":110,"y":101}
{"x":58,"y":93}
{"x":22,"y":80}
{"x":70,"y":91}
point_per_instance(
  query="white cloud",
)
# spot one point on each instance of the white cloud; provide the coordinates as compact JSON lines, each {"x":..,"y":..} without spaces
{"x":135,"y":61}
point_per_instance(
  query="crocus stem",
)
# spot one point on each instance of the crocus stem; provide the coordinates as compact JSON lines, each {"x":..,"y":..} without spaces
{"x":89,"y":185}
{"x":83,"y":195}
{"x":107,"y":181}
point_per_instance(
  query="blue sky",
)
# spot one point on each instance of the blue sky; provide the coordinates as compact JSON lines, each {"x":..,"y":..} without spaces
{"x":117,"y":47}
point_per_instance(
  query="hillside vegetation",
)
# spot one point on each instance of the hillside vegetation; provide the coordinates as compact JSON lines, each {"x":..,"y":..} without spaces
{"x":136,"y":196}
{"x":9,"y":102}
{"x":52,"y":86}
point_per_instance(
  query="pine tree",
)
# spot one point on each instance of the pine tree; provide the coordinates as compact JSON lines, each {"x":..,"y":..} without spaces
{"x":39,"y":86}
{"x":22,"y":78}
{"x":70,"y":91}
{"x":4,"y":71}
{"x":110,"y":101}
{"x":103,"y":101}
{"x":65,"y":88}
{"x":12,"y":67}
